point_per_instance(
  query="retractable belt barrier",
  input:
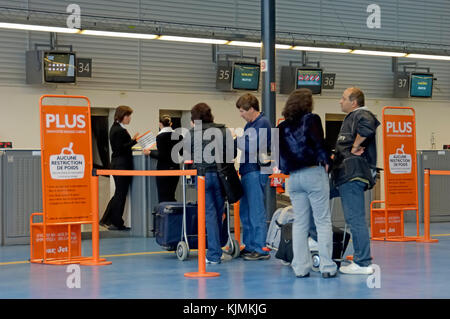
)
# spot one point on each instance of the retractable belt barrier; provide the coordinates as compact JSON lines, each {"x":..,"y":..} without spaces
{"x":200,"y":206}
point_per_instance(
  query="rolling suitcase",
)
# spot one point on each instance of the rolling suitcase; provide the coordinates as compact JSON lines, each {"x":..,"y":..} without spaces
{"x":168,"y":221}
{"x":285,"y":252}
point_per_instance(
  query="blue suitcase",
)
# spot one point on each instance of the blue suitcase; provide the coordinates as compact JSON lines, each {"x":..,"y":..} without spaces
{"x":169,"y":222}
{"x":168,"y":225}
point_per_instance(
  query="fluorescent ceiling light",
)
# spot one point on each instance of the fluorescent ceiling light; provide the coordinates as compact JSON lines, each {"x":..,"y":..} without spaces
{"x":193,"y":40}
{"x":246,"y":44}
{"x":427,"y":56}
{"x":317,"y":49}
{"x":283,"y":46}
{"x":30,"y":27}
{"x":379,"y":53}
{"x":120,"y":34}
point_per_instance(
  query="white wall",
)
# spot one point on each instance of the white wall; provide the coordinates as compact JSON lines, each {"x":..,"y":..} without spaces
{"x":20,"y":111}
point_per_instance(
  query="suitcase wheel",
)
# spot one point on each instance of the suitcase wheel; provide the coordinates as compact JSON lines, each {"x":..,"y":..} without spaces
{"x":182,"y":251}
{"x":233,"y":248}
{"x":315,"y":260}
{"x":236,"y":249}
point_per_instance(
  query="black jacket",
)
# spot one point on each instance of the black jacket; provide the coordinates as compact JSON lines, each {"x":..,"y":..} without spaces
{"x":198,"y":149}
{"x":163,"y":154}
{"x":347,"y":166}
{"x":121,"y":143}
{"x":302,"y":144}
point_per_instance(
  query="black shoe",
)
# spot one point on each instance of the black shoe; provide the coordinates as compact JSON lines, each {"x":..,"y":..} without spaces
{"x":102,"y":223}
{"x":328,"y":274}
{"x":302,"y":276}
{"x":123,"y":228}
{"x":244,"y":253}
{"x":256,"y":256}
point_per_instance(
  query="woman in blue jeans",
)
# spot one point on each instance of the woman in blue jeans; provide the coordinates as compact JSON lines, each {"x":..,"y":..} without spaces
{"x":304,"y":158}
{"x":209,"y":139}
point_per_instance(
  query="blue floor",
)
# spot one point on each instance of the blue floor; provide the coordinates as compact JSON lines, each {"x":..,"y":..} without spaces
{"x":141,"y":269}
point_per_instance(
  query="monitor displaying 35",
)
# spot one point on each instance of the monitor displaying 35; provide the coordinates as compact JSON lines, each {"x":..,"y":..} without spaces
{"x":310,"y":79}
{"x":421,"y":85}
{"x":245,"y":76}
{"x":59,"y":67}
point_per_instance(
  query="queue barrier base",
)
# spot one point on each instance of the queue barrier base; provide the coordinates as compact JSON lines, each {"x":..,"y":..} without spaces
{"x":200,"y":274}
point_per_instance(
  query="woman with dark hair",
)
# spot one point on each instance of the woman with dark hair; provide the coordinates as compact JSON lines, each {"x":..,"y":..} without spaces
{"x":166,"y":185}
{"x":304,"y":158}
{"x":206,"y":153}
{"x":121,"y":158}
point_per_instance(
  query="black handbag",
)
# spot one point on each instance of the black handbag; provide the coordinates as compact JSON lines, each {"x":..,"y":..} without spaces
{"x":231,"y":184}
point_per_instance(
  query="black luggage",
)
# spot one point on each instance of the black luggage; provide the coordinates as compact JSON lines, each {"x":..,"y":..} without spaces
{"x":286,"y":254}
{"x":168,"y":221}
{"x":168,"y":225}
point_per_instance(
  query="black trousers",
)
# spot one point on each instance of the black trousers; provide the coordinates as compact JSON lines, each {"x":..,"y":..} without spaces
{"x":167,"y":185}
{"x":114,"y":211}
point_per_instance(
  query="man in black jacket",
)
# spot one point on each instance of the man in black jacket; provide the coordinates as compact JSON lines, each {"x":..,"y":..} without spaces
{"x":354,"y":170}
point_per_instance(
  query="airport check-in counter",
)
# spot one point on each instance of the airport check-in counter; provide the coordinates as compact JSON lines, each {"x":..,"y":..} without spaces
{"x":20,"y":193}
{"x":439,"y":184}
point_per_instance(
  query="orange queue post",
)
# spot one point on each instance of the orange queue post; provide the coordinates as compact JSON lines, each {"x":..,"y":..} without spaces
{"x":426,"y":204}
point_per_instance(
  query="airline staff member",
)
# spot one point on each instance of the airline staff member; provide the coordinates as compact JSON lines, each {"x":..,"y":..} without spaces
{"x":121,"y":158}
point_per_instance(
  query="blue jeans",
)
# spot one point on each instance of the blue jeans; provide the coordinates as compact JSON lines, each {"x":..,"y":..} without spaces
{"x":352,"y":199}
{"x":253,"y":212}
{"x":214,"y":207}
{"x":309,"y":191}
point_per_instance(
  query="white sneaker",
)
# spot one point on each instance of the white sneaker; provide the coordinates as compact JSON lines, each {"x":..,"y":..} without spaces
{"x":355,"y":269}
{"x":209,"y":262}
{"x":225,"y":257}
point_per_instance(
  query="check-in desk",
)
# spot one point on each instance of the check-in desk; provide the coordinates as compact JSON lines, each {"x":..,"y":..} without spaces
{"x":20,"y":193}
{"x":439,"y":184}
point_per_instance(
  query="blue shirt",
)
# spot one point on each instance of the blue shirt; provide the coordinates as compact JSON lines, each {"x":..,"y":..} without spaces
{"x":253,"y":140}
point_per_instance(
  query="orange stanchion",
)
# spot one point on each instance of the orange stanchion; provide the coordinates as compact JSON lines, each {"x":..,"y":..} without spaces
{"x":96,"y":260}
{"x":426,"y":208}
{"x":237,"y":223}
{"x":201,"y":234}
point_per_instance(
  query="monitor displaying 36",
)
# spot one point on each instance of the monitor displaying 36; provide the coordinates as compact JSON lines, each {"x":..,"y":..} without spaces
{"x":310,"y":79}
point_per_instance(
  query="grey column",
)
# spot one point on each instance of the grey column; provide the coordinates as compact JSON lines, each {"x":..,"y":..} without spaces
{"x":268,"y":93}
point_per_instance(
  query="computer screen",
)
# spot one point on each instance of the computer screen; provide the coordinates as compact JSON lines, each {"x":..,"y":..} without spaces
{"x":245,"y":76}
{"x":310,"y":79}
{"x":59,"y":67}
{"x":421,"y":85}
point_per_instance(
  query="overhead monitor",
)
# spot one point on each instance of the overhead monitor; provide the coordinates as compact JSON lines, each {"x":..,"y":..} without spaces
{"x":59,"y":67}
{"x":421,"y":85}
{"x":309,"y":79}
{"x":245,"y":76}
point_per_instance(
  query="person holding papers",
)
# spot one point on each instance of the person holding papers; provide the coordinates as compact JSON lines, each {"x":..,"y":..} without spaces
{"x":121,"y":159}
{"x":166,"y":185}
